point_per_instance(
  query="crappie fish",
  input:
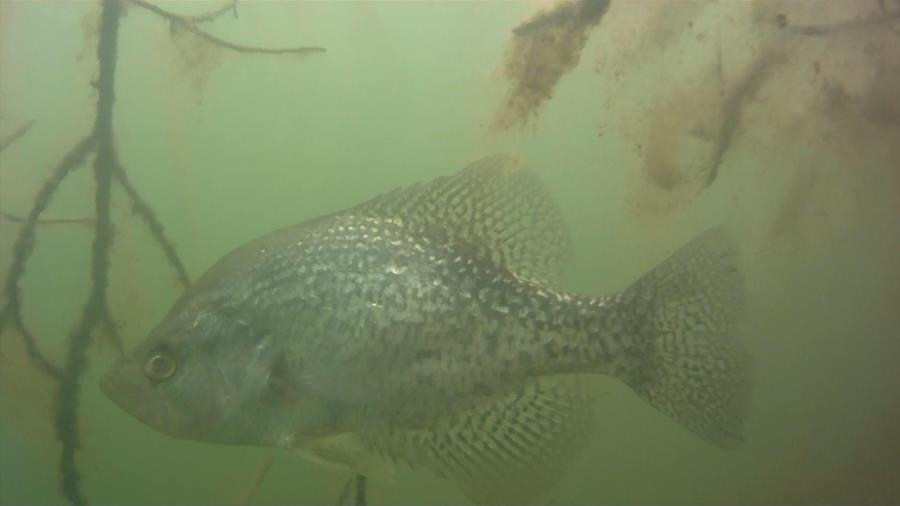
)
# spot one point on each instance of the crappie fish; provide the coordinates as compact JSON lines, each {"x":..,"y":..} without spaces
{"x":426,"y":327}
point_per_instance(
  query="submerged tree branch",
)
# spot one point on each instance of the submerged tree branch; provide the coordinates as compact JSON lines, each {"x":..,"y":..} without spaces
{"x":183,"y":22}
{"x":142,"y":209}
{"x":24,"y":245}
{"x":6,"y":142}
{"x":230,"y":5}
{"x":96,"y":311}
{"x":95,"y":316}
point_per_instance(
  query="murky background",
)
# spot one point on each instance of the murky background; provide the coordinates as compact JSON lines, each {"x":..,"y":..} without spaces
{"x":781,"y":120}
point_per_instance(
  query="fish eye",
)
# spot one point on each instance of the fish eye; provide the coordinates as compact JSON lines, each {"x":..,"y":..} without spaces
{"x":160,"y":365}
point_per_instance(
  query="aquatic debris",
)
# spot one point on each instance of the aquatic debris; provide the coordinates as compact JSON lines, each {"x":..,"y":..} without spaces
{"x":741,"y":94}
{"x":541,"y":51}
{"x":863,"y":23}
{"x":11,"y":137}
{"x":881,"y":102}
{"x":691,"y":130}
{"x":662,"y":149}
{"x":795,"y":204}
{"x":883,"y":95}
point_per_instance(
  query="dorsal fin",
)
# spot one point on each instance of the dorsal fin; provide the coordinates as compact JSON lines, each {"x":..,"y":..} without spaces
{"x":495,"y":208}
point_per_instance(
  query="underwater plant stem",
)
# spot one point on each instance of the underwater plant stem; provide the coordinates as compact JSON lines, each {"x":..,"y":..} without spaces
{"x":95,"y":312}
{"x":141,"y":208}
{"x":187,"y":23}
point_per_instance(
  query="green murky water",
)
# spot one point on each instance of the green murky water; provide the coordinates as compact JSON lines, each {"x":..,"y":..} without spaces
{"x":798,"y":99}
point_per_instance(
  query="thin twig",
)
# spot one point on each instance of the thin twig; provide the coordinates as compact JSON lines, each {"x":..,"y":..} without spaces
{"x":206,"y":17}
{"x":15,"y":134}
{"x":142,"y":209}
{"x":260,"y":477}
{"x":252,"y":49}
{"x":89,"y":222}
{"x":185,"y":23}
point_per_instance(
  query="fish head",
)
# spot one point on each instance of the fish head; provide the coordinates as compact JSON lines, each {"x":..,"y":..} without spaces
{"x":207,"y":372}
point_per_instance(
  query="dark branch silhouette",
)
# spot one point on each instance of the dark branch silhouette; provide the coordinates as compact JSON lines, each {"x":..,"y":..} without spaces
{"x":95,"y":316}
{"x":89,"y":222}
{"x":23,"y":247}
{"x":230,"y":5}
{"x":187,"y":23}
{"x":142,"y":209}
{"x":96,"y":311}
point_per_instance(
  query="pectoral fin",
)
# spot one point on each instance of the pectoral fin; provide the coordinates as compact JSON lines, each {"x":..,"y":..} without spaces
{"x":347,"y":452}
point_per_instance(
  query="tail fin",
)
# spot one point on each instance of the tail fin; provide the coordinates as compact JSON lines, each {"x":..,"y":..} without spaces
{"x":690,"y":364}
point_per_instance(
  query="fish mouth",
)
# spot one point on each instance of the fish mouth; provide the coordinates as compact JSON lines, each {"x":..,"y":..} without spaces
{"x":127,"y":387}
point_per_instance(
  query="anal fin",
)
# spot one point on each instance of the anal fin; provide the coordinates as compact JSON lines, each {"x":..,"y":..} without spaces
{"x":509,"y":450}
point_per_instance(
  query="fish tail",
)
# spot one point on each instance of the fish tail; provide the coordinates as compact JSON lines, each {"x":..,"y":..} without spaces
{"x":688,"y":362}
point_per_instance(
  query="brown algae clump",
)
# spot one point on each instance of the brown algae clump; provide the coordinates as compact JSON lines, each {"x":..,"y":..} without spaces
{"x":541,"y":51}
